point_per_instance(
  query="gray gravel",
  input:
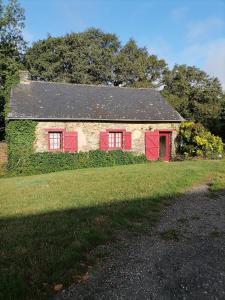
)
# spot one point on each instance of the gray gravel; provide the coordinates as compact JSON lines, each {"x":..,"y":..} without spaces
{"x":183,"y":258}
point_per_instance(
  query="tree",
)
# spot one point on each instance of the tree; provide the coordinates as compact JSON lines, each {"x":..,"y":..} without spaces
{"x":196,"y":95}
{"x":135,"y":67}
{"x":94,"y":57}
{"x":12,"y":46}
{"x":86,"y":57}
{"x":155,"y":70}
{"x":44,"y":59}
{"x":220,"y":124}
{"x":102,"y":51}
{"x":130,"y":66}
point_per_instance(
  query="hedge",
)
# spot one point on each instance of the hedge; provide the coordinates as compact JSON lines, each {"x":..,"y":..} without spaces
{"x":51,"y":162}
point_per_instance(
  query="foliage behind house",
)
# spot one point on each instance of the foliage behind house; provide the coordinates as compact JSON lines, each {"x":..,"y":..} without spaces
{"x":12,"y":47}
{"x":93,"y":57}
{"x":196,"y":96}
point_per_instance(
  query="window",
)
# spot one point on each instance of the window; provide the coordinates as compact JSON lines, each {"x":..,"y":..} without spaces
{"x":115,"y":140}
{"x":55,"y":140}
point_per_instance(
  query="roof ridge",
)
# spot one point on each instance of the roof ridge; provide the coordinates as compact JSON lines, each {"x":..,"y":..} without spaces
{"x":91,"y":85}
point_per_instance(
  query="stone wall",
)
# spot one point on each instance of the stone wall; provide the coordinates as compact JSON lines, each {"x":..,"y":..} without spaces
{"x":89,"y":133}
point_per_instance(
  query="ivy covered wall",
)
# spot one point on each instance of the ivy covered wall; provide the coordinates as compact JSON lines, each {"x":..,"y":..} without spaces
{"x":22,"y":159}
{"x":20,"y":135}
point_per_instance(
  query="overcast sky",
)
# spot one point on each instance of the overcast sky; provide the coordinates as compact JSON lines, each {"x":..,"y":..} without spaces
{"x":188,"y":32}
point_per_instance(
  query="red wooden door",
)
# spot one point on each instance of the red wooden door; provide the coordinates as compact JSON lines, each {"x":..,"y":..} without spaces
{"x":157,"y":145}
{"x":152,"y":145}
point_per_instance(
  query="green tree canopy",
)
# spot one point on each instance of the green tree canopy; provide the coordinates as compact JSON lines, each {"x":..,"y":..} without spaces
{"x":196,"y":95}
{"x":93,"y":57}
{"x":130,"y":65}
{"x":12,"y":46}
{"x":86,"y":57}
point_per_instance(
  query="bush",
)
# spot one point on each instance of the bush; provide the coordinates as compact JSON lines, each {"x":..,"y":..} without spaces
{"x":194,"y":140}
{"x":51,"y":162}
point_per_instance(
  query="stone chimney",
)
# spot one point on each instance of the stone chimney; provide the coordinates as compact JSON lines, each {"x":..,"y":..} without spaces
{"x":24,"y":77}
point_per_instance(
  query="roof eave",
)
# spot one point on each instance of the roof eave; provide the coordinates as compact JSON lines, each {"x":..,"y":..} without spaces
{"x":91,"y":120}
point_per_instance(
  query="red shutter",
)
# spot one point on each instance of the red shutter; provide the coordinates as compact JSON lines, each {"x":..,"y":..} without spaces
{"x":152,"y":145}
{"x":70,"y":142}
{"x":104,"y":143}
{"x":127,"y":140}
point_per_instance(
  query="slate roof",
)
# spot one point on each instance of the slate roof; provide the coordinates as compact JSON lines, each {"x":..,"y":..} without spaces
{"x":40,"y":100}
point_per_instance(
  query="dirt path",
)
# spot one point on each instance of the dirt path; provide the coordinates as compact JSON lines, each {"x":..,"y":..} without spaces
{"x":184,"y":258}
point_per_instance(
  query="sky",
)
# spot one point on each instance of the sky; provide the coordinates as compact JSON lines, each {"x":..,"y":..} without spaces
{"x":188,"y":32}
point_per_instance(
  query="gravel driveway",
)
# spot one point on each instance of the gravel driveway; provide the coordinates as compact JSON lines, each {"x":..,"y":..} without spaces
{"x":183,"y":258}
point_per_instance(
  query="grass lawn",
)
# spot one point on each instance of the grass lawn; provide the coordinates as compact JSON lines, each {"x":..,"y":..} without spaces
{"x":49,"y":223}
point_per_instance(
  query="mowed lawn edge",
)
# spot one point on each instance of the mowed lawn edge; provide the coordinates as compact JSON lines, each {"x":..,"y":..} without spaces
{"x":50,"y":222}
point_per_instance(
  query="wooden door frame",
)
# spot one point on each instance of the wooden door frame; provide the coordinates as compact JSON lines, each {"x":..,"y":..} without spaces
{"x":167,"y":135}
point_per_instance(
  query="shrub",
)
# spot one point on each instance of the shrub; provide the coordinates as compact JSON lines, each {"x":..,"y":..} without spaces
{"x":51,"y":162}
{"x":194,"y":140}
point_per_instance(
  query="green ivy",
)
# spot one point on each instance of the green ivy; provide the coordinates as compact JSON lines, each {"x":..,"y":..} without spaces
{"x":20,"y":136}
{"x":10,"y":81}
{"x":23,"y":160}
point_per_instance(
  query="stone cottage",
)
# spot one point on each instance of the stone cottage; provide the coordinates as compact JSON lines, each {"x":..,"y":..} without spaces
{"x":73,"y":117}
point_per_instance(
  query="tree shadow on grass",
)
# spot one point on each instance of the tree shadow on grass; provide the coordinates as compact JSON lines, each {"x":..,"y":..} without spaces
{"x":39,"y":251}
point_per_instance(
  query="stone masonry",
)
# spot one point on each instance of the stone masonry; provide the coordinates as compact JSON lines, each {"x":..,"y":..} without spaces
{"x":89,"y":133}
